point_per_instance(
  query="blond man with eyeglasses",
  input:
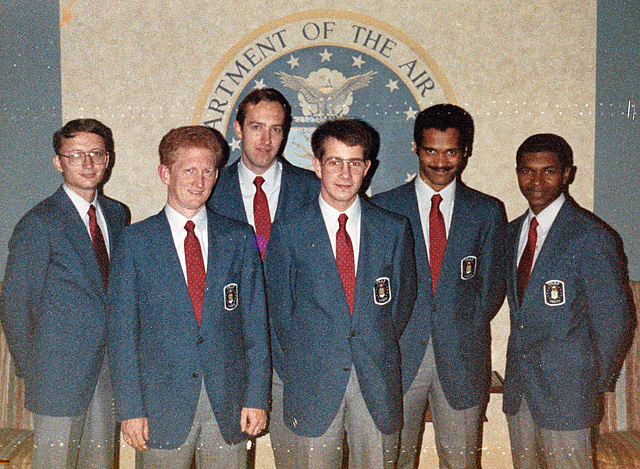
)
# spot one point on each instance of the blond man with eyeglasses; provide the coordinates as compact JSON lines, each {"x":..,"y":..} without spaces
{"x":53,"y":303}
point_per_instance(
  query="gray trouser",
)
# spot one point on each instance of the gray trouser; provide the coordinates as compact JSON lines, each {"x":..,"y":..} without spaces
{"x":368,"y":447}
{"x":533,"y":447}
{"x":456,"y":431}
{"x":204,"y":440}
{"x":80,"y":441}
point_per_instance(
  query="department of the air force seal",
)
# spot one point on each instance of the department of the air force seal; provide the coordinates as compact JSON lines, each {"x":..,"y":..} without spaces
{"x":382,"y":291}
{"x":554,"y":292}
{"x":330,"y":64}
{"x":468,"y":267}
{"x":231,"y":296}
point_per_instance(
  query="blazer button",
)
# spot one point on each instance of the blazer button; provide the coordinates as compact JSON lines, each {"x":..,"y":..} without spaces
{"x":346,"y":368}
{"x":521,"y":327}
{"x":523,"y":356}
{"x":195,"y":374}
{"x":422,"y":342}
{"x":352,"y":335}
{"x":200,"y":340}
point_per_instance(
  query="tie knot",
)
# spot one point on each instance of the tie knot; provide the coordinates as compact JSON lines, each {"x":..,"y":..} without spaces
{"x":534,"y":224}
{"x":189,"y":226}
{"x":342,"y":221}
{"x":258,"y":181}
{"x":92,"y":211}
{"x":435,"y":200}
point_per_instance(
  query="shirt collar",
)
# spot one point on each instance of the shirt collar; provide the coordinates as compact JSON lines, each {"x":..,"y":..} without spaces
{"x":82,"y":206}
{"x":547,"y":216}
{"x":177,"y":220}
{"x":425,"y":191}
{"x":270,"y":176}
{"x":331,"y":214}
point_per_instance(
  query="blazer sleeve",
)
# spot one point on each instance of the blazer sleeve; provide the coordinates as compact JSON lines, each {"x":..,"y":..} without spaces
{"x":122,"y":345}
{"x":280,"y":285}
{"x":404,"y":287}
{"x":255,"y":328}
{"x":24,"y":282}
{"x":492,"y":270}
{"x":604,"y":285}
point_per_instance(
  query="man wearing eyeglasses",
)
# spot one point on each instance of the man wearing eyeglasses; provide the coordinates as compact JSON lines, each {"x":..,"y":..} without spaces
{"x":341,"y":284}
{"x":446,"y":346}
{"x":53,"y":304}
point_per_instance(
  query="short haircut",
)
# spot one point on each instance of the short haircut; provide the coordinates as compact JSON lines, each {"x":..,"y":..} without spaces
{"x":191,"y":136}
{"x":351,"y":132}
{"x":551,"y":143}
{"x":443,"y":117}
{"x":92,"y":126}
{"x":265,"y":94}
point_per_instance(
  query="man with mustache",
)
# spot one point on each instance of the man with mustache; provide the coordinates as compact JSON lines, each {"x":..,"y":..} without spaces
{"x":446,"y":346}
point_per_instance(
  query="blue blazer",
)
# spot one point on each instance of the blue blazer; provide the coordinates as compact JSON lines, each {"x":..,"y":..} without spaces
{"x":457,"y":317}
{"x":298,"y":187}
{"x":570,"y":335}
{"x":157,"y":353}
{"x":320,"y":339}
{"x":53,"y":304}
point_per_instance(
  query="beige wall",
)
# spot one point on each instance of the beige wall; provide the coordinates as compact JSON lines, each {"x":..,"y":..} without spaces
{"x":518,"y":67}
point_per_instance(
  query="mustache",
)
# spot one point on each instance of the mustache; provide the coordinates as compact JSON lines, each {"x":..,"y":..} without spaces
{"x":440,"y":168}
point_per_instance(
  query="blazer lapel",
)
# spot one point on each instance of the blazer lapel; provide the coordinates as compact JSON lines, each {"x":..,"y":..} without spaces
{"x":422,"y":259}
{"x":321,"y":253}
{"x":76,"y":231}
{"x":218,"y":261}
{"x":166,"y":263}
{"x":229,"y":184}
{"x":558,"y":236}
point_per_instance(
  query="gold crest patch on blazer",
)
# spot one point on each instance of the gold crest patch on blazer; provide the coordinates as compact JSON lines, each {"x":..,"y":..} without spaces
{"x":231,"y":296}
{"x":468,"y":267}
{"x":382,"y":291}
{"x":554,"y":292}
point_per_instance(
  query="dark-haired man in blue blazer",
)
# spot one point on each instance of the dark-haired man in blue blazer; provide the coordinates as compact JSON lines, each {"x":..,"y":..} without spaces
{"x":188,"y":333}
{"x":341,"y":287}
{"x":262,"y":125}
{"x":446,"y":354}
{"x":571,"y":323}
{"x":53,"y":304}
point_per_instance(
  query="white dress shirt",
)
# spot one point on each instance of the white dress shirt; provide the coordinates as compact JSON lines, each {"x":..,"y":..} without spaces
{"x":331,"y":215}
{"x":424,"y":193}
{"x":82,"y":206}
{"x":545,"y":219}
{"x":270,"y":186}
{"x":179,"y":233}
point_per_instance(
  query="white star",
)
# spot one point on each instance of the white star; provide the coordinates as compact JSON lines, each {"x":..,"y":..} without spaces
{"x":357,"y":61}
{"x":259,"y":84}
{"x":326,"y":56}
{"x":392,"y":85}
{"x":411,"y":114}
{"x":235,"y":144}
{"x":293,"y":61}
{"x":410,"y":177}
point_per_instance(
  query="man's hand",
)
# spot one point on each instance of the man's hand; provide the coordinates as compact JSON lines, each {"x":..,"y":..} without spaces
{"x":136,"y":433}
{"x":253,"y":421}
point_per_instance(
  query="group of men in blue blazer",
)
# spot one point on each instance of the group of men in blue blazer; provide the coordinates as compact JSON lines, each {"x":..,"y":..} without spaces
{"x":339,"y":315}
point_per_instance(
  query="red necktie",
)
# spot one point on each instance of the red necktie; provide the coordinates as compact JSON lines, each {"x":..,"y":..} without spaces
{"x":99,"y":245}
{"x":195,"y":269}
{"x":437,"y":239}
{"x":261,"y":215}
{"x":344,"y":260}
{"x":526,"y":260}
